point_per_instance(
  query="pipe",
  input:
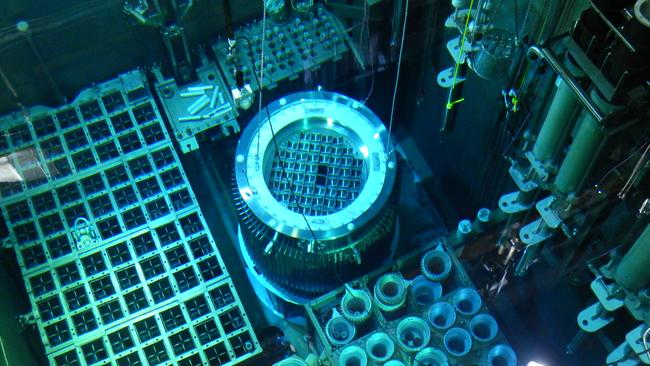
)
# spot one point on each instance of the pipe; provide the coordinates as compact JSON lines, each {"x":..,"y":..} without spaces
{"x":558,"y":117}
{"x":389,"y":292}
{"x":425,"y":292}
{"x":583,"y":98}
{"x":501,"y":355}
{"x":353,"y":356}
{"x":483,"y":327}
{"x":441,"y":315}
{"x":457,"y":342}
{"x":380,"y":347}
{"x":467,"y":301}
{"x":339,"y":331}
{"x":436,"y":265}
{"x":413,"y":334}
{"x":632,"y":272}
{"x":356,"y":305}
{"x":430,"y":357}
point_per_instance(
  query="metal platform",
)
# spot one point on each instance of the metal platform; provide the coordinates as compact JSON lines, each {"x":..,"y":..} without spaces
{"x":118,"y":262}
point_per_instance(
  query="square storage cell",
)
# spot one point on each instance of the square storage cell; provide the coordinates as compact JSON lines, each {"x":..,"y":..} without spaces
{"x":51,"y":147}
{"x":121,"y":122}
{"x":186,"y":279}
{"x":58,"y":246}
{"x":191,"y":224}
{"x":182,"y":342}
{"x":76,"y":297}
{"x":44,"y":126}
{"x":172,"y":178}
{"x":99,"y":130}
{"x":144,"y":113}
{"x":25,"y":233}
{"x":110,"y":311}
{"x":58,"y":333}
{"x":192,"y":360}
{"x":73,"y":213}
{"x":172,"y":318}
{"x":133,"y":218}
{"x":207,"y":331}
{"x":140,"y":166}
{"x":18,"y":211}
{"x":113,"y":101}
{"x":59,"y":168}
{"x":121,"y":340}
{"x":8,"y":189}
{"x":148,"y":187}
{"x":20,"y":135}
{"x":181,"y":199}
{"x":210,"y":268}
{"x":221,"y":296}
{"x":143,"y":244}
{"x":231,"y":320}
{"x":93,"y":184}
{"x":161,"y":290}
{"x":197,"y":307}
{"x":69,"y":358}
{"x":68,"y":273}
{"x":101,"y":206}
{"x":167,"y":234}
{"x":43,"y":202}
{"x":129,"y":142}
{"x":118,"y":254}
{"x":147,"y":329}
{"x":135,"y":300}
{"x":90,"y":110}
{"x":176,"y":256}
{"x":152,"y":267}
{"x":50,"y":308}
{"x":67,"y":118}
{"x":84,"y":322}
{"x":125,"y":197}
{"x":50,"y":224}
{"x":33,"y":256}
{"x":163,"y":158}
{"x":157,"y":208}
{"x":68,"y":193}
{"x":107,"y":151}
{"x":217,"y":355}
{"x":132,"y":359}
{"x":93,"y":264}
{"x":156,"y":353}
{"x":127,"y":277}
{"x":241,"y":344}
{"x":94,"y":351}
{"x":75,"y":139}
{"x":153,"y":134}
{"x":83,"y":159}
{"x":102,"y":288}
{"x":109,"y":227}
{"x":116,"y":175}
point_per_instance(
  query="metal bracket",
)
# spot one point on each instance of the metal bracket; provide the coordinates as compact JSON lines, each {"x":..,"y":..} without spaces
{"x":606,"y":294}
{"x":594,"y":318}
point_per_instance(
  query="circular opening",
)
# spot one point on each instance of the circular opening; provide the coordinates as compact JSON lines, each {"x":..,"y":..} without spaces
{"x":482,"y":330}
{"x":379,"y":350}
{"x":353,"y":361}
{"x":483,"y":327}
{"x":455,"y":344}
{"x":340,"y":331}
{"x":499,"y":361}
{"x":425,"y":292}
{"x":465,"y":306}
{"x":412,"y":337}
{"x":440,"y":321}
{"x":442,"y":315}
{"x":457,"y":341}
{"x":210,"y":77}
{"x":430,"y":357}
{"x":413,"y":333}
{"x":436,"y":265}
{"x":326,"y":169}
{"x":467,"y":301}
{"x":356,"y":306}
{"x":502,"y":355}
{"x":390,"y":289}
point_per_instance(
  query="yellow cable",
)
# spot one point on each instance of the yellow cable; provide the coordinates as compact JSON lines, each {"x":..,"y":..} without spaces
{"x":451,"y":104}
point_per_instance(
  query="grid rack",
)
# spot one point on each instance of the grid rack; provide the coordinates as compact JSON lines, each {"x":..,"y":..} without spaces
{"x":119,"y":265}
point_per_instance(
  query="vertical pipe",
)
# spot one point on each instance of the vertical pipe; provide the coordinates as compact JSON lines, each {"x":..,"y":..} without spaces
{"x":632,"y":273}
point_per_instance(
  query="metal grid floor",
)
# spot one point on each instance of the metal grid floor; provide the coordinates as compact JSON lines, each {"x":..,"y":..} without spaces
{"x":118,"y":262}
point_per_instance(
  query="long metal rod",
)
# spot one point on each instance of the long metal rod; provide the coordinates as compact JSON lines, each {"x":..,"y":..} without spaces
{"x":553,"y":62}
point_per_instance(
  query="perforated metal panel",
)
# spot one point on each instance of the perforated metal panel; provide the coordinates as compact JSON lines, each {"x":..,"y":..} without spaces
{"x":324,"y":170}
{"x":118,"y":261}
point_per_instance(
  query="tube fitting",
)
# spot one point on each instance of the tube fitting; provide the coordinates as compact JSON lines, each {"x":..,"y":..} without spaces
{"x":441,"y":315}
{"x":457,"y":342}
{"x":467,"y":301}
{"x":353,"y":355}
{"x":432,"y":357}
{"x":436,"y":265}
{"x":501,"y":355}
{"x":380,"y":347}
{"x":339,"y":331}
{"x":390,"y":291}
{"x":483,"y":327}
{"x":356,"y":305}
{"x":413,"y":334}
{"x":425,"y":292}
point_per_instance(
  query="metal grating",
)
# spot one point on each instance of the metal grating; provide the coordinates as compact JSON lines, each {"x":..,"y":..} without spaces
{"x":326,"y":172}
{"x":117,"y":258}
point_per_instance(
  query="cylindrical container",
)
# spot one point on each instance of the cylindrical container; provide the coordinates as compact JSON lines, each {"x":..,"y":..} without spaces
{"x":413,"y":334}
{"x":441,"y":315}
{"x":424,"y":292}
{"x":501,"y":355}
{"x":380,"y":347}
{"x":353,"y":356}
{"x":394,"y":363}
{"x":430,"y":357}
{"x":457,"y":342}
{"x":632,"y":272}
{"x":339,"y":331}
{"x":436,"y":265}
{"x":467,"y":301}
{"x":483,"y":327}
{"x":389,"y":292}
{"x":356,"y":305}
